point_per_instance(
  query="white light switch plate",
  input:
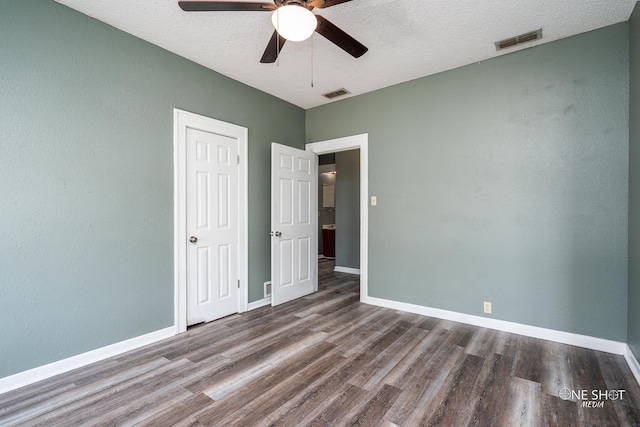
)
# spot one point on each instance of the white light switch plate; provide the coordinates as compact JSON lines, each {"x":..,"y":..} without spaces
{"x":374,"y":200}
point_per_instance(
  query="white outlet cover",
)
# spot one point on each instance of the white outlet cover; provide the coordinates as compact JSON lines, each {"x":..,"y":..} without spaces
{"x":487,"y":307}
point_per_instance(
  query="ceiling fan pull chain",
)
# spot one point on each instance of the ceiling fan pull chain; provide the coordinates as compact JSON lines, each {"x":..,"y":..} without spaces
{"x":312,"y":37}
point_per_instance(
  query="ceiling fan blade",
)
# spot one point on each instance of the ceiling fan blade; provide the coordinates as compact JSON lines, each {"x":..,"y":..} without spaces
{"x":226,"y":6}
{"x":341,"y":39}
{"x":321,"y":4}
{"x":273,"y":49}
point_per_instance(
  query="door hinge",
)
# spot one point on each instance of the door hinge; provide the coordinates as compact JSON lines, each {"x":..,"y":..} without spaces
{"x":238,"y":158}
{"x":238,"y":283}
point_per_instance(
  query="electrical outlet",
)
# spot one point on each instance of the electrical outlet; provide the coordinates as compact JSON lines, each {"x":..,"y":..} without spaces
{"x":487,"y":307}
{"x":267,"y":289}
{"x":374,"y":201}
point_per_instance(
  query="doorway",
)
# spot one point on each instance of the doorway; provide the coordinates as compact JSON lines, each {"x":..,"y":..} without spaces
{"x":326,"y":205}
{"x":345,"y":144}
{"x":210,"y":219}
{"x":339,"y":209}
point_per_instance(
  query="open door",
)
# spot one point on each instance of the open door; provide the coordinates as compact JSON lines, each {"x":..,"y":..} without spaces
{"x":294,"y":222}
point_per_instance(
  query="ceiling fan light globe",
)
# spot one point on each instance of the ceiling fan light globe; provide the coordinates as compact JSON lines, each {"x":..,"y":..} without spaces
{"x":294,"y":23}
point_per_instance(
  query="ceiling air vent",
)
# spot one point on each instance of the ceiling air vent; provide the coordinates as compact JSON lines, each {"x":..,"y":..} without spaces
{"x":336,"y":93}
{"x":522,"y":38}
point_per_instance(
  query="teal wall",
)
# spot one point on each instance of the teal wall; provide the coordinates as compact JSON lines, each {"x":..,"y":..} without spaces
{"x":503,"y":181}
{"x":86,"y":165}
{"x":348,"y":209}
{"x":633,"y":331}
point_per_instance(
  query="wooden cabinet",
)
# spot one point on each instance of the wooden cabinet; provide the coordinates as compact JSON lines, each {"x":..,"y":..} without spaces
{"x":329,"y":243}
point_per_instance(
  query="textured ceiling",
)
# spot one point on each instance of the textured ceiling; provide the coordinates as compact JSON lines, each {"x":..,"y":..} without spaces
{"x":406,"y":39}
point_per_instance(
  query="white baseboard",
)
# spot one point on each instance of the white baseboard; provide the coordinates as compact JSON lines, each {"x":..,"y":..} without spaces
{"x":633,"y":363}
{"x":349,"y":270}
{"x":31,"y":376}
{"x":260,"y":303}
{"x":600,"y":344}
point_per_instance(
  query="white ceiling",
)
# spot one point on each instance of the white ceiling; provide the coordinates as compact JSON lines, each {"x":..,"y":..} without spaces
{"x":406,"y":39}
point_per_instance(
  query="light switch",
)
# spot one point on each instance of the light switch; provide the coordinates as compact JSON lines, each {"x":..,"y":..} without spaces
{"x":374,"y":200}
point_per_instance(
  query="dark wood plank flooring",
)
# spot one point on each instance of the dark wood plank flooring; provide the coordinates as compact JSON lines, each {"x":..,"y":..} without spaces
{"x":329,"y":360}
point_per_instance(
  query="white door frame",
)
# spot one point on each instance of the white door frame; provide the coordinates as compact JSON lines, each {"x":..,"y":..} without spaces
{"x":353,"y":143}
{"x":181,"y":121}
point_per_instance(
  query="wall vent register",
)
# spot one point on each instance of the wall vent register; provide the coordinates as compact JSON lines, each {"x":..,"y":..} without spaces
{"x":336,"y":93}
{"x":522,"y":38}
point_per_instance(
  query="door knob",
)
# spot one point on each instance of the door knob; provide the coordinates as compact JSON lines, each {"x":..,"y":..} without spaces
{"x":276,"y":233}
{"x":193,"y":239}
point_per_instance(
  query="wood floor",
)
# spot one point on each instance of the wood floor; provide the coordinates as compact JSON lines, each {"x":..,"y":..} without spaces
{"x":329,"y":360}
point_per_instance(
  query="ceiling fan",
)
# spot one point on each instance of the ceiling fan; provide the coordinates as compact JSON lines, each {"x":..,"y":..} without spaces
{"x":292,"y":19}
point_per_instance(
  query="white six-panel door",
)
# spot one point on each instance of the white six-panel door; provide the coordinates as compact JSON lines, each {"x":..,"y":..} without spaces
{"x":294,"y":218}
{"x":212,"y":226}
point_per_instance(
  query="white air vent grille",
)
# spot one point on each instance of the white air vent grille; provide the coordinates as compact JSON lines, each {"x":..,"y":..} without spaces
{"x":267,"y":289}
{"x":336,"y":93}
{"x":522,"y":38}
